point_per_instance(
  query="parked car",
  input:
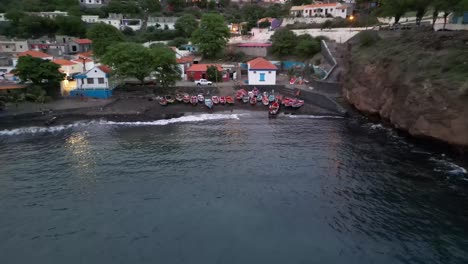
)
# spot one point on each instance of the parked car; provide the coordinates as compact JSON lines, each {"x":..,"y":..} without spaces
{"x":203,"y":82}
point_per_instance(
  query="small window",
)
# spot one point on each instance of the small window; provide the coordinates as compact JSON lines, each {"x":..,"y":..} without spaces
{"x":21,"y":46}
{"x":255,"y":72}
{"x":269,"y":71}
{"x":100,"y":80}
{"x":7,"y":46}
{"x":262,"y":77}
{"x":342,"y":10}
{"x":90,"y":80}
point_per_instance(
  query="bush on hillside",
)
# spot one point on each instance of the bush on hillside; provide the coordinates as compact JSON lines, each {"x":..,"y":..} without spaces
{"x":368,"y":38}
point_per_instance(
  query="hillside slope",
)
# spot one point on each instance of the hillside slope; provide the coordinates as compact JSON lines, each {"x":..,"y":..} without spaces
{"x":417,"y":81}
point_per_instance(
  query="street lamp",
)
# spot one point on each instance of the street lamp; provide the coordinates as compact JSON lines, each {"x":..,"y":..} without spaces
{"x":351,"y":19}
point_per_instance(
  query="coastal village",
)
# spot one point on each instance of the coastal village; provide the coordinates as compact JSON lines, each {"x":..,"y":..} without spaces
{"x":107,"y":51}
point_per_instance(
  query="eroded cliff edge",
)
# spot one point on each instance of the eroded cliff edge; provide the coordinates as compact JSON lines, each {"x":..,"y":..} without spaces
{"x":418,"y":81}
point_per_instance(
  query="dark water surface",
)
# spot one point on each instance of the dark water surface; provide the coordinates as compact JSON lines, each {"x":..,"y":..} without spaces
{"x":229,"y":189}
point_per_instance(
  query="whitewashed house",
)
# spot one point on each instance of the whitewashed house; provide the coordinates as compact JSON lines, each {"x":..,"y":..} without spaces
{"x":261,"y":72}
{"x":162,"y":22}
{"x":13,"y":46}
{"x":94,"y":3}
{"x":3,"y":17}
{"x":95,"y":83}
{"x":322,"y":10}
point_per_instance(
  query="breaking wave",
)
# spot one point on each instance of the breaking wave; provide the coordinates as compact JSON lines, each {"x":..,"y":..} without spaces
{"x":315,"y":117}
{"x":163,"y":122}
{"x":450,"y":167}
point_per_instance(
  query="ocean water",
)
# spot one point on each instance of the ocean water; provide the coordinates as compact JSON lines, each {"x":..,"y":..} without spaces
{"x":228,"y":188}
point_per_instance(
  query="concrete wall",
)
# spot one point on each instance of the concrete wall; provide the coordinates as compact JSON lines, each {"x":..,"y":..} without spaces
{"x":308,"y":20}
{"x":451,"y":27}
{"x":323,"y":101}
{"x":252,"y":51}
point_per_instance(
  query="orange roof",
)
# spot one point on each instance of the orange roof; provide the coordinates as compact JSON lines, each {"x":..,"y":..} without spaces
{"x":105,"y":68}
{"x":11,"y":86}
{"x":35,"y":54}
{"x":185,"y":59}
{"x":261,"y":64}
{"x":83,"y":41}
{"x":87,"y":54}
{"x":63,"y":62}
{"x":203,"y":67}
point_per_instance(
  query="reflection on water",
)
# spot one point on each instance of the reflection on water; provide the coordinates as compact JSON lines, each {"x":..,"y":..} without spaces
{"x":83,"y":159}
{"x":241,"y":189}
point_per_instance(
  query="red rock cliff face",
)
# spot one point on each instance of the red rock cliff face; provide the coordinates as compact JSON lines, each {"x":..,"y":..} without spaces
{"x":421,"y":106}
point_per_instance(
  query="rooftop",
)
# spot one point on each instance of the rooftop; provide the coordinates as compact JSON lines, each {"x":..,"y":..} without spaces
{"x":261,"y":64}
{"x":83,"y":41}
{"x":203,"y":67}
{"x":35,"y":54}
{"x":63,"y":62}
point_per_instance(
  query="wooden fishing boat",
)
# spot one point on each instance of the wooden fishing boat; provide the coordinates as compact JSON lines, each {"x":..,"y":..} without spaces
{"x":179,"y":97}
{"x":259,"y":97}
{"x":240,"y":94}
{"x":274,"y":108}
{"x":201,"y":98}
{"x":271,"y":98}
{"x":253,"y":100}
{"x":255,"y":91}
{"x":245,"y":99}
{"x":162,"y":101}
{"x":186,"y":98}
{"x":229,"y":100}
{"x":209,"y":103}
{"x":169,"y":99}
{"x":194,"y":100}
{"x":222,"y":100}
{"x":297,"y":103}
{"x":215,"y":99}
{"x":279,"y":98}
{"x":265,"y":100}
{"x":286,"y":101}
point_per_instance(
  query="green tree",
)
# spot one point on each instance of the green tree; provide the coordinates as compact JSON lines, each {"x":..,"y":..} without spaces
{"x":212,"y":35}
{"x":177,"y":42}
{"x":129,"y":60}
{"x":211,"y":4}
{"x":165,"y":65}
{"x":40,"y":72}
{"x":283,"y":42}
{"x":394,"y":8}
{"x":447,"y":6}
{"x":186,"y":25}
{"x":326,"y":24}
{"x":420,"y":6}
{"x":70,"y":25}
{"x":212,"y":74}
{"x":307,"y":47}
{"x":103,"y":36}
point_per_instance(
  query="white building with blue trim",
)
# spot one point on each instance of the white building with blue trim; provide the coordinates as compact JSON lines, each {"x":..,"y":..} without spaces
{"x":261,"y":72}
{"x":95,"y":83}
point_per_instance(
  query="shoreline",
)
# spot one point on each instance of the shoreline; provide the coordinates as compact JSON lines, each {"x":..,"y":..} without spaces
{"x":138,"y":110}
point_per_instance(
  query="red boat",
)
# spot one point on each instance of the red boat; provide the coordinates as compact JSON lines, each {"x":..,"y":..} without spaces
{"x":194,"y":100}
{"x":273,"y":109}
{"x":222,"y":100}
{"x":265,"y":100}
{"x":186,"y":99}
{"x":279,"y":98}
{"x":297,"y":103}
{"x":255,"y":91}
{"x":253,"y":100}
{"x":229,"y":100}
{"x":162,"y":101}
{"x":286,"y":101}
{"x":215,"y":99}
{"x":240,"y":94}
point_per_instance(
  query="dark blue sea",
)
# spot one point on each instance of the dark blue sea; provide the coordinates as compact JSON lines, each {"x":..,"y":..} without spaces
{"x":228,"y":188}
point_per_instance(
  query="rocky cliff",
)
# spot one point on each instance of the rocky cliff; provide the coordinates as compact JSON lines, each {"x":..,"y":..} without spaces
{"x":417,"y":81}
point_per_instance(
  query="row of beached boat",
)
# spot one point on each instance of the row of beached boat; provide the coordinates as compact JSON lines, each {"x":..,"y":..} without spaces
{"x":196,"y":99}
{"x":253,"y":97}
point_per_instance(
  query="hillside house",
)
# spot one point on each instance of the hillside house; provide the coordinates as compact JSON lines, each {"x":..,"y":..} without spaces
{"x":13,"y":46}
{"x":79,"y":45}
{"x":162,"y":22}
{"x":322,"y":10}
{"x":94,"y":3}
{"x":261,"y":72}
{"x":184,"y":64}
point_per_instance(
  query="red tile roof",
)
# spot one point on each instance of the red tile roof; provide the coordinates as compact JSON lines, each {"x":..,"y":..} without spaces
{"x":63,"y":62}
{"x":83,"y":41}
{"x":261,"y":64}
{"x":105,"y":68}
{"x":35,"y":54}
{"x":319,"y":5}
{"x":81,"y":60}
{"x":202,"y":67}
{"x":185,"y":59}
{"x":87,"y":54}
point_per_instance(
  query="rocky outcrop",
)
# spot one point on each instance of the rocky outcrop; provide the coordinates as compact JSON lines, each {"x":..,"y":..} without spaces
{"x":412,"y":96}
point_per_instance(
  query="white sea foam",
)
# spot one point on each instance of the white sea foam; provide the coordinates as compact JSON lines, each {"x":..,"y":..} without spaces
{"x":315,"y":117}
{"x":450,"y":167}
{"x":183,"y":119}
{"x":377,"y":126}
